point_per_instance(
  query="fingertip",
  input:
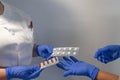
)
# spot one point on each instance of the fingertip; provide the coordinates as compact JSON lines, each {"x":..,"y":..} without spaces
{"x":99,"y":59}
{"x":64,"y":57}
{"x":34,"y":74}
{"x":71,"y":56}
{"x":66,"y":73}
{"x":95,"y":56}
{"x":60,"y":66}
{"x":74,"y":59}
{"x":50,"y":49}
{"x":105,"y":61}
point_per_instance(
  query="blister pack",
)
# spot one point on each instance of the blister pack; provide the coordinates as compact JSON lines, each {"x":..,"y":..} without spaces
{"x":49,"y":62}
{"x":65,"y":51}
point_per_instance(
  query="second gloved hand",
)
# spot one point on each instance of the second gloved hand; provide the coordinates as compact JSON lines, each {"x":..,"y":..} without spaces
{"x":44,"y":51}
{"x":108,"y":53}
{"x":23,"y":72}
{"x":76,"y":67}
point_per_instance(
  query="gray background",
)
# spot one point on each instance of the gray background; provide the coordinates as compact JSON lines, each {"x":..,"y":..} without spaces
{"x":88,"y":24}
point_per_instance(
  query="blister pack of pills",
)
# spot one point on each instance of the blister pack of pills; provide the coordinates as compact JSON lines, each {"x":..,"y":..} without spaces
{"x":65,"y":51}
{"x":49,"y":62}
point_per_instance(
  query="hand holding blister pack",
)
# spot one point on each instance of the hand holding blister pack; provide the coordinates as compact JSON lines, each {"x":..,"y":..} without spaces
{"x":59,"y":51}
{"x":65,"y":51}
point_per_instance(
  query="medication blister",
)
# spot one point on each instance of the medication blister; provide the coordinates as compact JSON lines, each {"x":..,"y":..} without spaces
{"x":49,"y":62}
{"x":65,"y":51}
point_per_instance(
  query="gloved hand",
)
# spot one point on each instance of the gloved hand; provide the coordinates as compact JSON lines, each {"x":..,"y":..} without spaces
{"x":76,"y":67}
{"x":44,"y":51}
{"x":23,"y":72}
{"x":108,"y":53}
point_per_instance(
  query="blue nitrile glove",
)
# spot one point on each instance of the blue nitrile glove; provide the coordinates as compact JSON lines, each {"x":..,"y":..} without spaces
{"x":23,"y":72}
{"x":44,"y":51}
{"x":108,"y":53}
{"x":76,"y":67}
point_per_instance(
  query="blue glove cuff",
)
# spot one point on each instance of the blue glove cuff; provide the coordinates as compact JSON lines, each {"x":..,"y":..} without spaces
{"x":38,"y":54}
{"x":7,"y":74}
{"x":94,"y":73}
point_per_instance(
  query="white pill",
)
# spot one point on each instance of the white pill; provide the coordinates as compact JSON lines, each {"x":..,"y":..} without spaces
{"x":54,"y":49}
{"x":59,"y":48}
{"x":63,"y":52}
{"x":74,"y":53}
{"x":57,"y":52}
{"x":75,"y":48}
{"x":70,"y":48}
{"x":64,"y":48}
{"x":68,"y":52}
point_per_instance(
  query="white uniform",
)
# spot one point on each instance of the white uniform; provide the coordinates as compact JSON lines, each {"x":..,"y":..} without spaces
{"x":16,"y":37}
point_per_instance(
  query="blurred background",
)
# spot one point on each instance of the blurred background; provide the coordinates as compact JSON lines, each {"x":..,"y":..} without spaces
{"x":88,"y":24}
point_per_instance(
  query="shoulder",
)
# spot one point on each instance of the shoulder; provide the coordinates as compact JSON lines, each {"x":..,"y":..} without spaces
{"x":16,"y":12}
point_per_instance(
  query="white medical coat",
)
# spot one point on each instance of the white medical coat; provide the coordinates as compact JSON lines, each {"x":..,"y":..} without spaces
{"x":16,"y":37}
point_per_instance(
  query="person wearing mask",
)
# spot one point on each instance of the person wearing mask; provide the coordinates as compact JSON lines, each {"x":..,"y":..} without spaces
{"x":17,"y":46}
{"x":75,"y":67}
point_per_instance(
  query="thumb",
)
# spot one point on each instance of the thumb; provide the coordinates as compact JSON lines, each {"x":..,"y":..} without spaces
{"x":35,"y":74}
{"x":50,"y":49}
{"x":67,"y":73}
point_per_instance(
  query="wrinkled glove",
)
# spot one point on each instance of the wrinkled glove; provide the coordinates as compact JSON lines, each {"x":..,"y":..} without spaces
{"x":44,"y":51}
{"x":108,"y":53}
{"x":76,"y":67}
{"x":23,"y":72}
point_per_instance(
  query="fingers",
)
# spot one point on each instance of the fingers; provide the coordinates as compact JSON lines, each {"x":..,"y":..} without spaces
{"x":103,"y":59}
{"x":67,"y":60}
{"x":64,"y":63}
{"x":50,"y":49}
{"x":102,"y":56}
{"x":74,"y":59}
{"x":35,"y":74}
{"x":60,"y":66}
{"x":98,"y":53}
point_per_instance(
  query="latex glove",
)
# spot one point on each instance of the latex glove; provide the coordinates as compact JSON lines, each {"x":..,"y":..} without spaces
{"x":44,"y":51}
{"x":108,"y":53}
{"x":23,"y":72}
{"x":76,"y":67}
